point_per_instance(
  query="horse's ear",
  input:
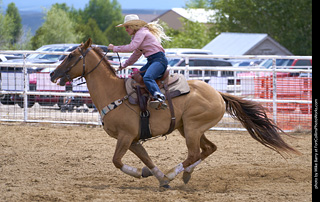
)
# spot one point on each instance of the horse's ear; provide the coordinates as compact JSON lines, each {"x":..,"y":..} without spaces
{"x":87,"y":44}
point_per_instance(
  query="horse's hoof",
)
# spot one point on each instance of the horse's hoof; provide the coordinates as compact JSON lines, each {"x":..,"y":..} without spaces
{"x":166,"y":186}
{"x":146,"y":172}
{"x":186,"y":177}
{"x":164,"y":183}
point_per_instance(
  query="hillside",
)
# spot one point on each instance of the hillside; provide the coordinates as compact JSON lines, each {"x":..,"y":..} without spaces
{"x":32,"y":19}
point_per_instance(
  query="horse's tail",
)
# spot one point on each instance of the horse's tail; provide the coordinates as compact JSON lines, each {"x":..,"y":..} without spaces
{"x":253,"y":117}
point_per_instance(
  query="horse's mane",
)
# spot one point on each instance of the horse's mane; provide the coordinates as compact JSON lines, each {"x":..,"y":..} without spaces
{"x":99,"y":51}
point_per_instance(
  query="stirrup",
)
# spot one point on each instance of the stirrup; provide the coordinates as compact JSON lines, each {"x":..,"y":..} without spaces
{"x":158,"y":104}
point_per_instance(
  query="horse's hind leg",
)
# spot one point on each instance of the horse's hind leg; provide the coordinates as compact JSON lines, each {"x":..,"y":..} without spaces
{"x":207,"y":148}
{"x":206,"y":145}
{"x":194,"y":155}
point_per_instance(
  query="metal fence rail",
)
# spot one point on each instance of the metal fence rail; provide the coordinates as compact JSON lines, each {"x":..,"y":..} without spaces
{"x":288,"y":98}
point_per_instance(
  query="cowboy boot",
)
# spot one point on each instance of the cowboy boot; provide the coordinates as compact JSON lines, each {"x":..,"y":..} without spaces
{"x":158,"y":102}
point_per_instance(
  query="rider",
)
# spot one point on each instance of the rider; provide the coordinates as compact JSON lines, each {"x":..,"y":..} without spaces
{"x":146,"y":39}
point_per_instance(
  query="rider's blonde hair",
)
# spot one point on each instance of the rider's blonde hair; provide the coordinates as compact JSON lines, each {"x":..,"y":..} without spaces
{"x":155,"y":28}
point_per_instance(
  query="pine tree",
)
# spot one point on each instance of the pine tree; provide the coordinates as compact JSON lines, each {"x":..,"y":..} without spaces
{"x":13,"y":14}
{"x":6,"y":29}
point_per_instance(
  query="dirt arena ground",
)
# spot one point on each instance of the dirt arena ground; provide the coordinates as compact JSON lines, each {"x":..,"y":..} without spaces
{"x":43,"y":162}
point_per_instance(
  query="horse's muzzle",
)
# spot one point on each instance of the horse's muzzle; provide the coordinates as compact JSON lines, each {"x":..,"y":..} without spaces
{"x":55,"y":76}
{"x":51,"y":75}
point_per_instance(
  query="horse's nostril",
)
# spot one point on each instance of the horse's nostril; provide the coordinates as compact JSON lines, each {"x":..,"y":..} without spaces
{"x":51,"y":74}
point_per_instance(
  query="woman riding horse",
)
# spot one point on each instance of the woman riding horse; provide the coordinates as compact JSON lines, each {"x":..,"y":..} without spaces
{"x":146,"y":40}
{"x":196,"y":112}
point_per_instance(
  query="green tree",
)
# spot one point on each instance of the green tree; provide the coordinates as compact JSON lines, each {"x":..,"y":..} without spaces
{"x":104,"y":12}
{"x":288,"y":22}
{"x":13,"y":13}
{"x":92,"y":30}
{"x":62,"y":6}
{"x":98,"y":21}
{"x":197,"y":4}
{"x":192,"y":35}
{"x":57,"y":28}
{"x":117,"y":35}
{"x":12,"y":36}
{"x":6,"y":29}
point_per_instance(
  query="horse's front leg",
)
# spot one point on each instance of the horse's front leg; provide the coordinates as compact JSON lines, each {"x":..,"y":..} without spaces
{"x":123,"y":144}
{"x":142,"y":154}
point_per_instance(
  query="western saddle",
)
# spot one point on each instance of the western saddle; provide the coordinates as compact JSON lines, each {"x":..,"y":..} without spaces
{"x":143,"y":96}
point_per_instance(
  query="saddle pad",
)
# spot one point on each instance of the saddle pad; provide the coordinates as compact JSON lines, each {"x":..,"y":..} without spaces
{"x":176,"y":82}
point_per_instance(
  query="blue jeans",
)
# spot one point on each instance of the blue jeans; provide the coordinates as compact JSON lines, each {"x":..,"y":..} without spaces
{"x":155,"y":68}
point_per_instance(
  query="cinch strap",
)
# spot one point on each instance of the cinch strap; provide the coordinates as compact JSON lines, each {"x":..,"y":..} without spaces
{"x":110,"y":107}
{"x":113,"y":105}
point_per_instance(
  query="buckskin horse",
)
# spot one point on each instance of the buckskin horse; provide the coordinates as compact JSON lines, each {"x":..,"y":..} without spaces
{"x":195,"y":113}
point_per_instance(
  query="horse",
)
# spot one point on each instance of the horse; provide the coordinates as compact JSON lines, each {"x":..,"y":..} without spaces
{"x":196,"y":112}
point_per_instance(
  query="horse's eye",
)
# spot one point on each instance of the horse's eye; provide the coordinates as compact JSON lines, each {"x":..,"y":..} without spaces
{"x":70,"y":56}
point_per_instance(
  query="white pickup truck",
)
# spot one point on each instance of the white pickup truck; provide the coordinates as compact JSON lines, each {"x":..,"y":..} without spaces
{"x":12,"y":78}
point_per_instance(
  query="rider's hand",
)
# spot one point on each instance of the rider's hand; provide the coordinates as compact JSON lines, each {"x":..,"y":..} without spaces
{"x":110,"y":47}
{"x":121,"y":68}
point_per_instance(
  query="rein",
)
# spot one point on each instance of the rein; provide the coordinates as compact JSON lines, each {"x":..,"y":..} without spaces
{"x":82,"y":57}
{"x":109,"y":107}
{"x":118,"y":102}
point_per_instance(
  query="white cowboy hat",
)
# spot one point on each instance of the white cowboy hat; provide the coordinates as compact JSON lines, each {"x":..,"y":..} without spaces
{"x":132,"y":20}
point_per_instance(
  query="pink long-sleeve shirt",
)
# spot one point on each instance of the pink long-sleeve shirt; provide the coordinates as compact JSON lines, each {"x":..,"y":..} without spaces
{"x":143,"y":42}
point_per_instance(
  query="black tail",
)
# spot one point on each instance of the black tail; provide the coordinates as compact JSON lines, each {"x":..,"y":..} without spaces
{"x":253,"y":117}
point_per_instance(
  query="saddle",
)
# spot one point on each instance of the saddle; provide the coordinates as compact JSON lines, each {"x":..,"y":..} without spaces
{"x":170,"y":85}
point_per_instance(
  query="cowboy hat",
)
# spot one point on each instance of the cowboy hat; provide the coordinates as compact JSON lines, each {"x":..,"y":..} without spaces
{"x":132,"y":20}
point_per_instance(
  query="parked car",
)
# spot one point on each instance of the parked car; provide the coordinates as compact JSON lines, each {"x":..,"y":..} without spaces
{"x":11,"y":56}
{"x":45,"y":58}
{"x":220,"y":80}
{"x":173,"y":51}
{"x":205,"y":62}
{"x":40,"y":81}
{"x":12,"y":78}
{"x":139,"y":63}
{"x":245,"y":63}
{"x":248,"y":81}
{"x":288,"y":64}
{"x":2,"y":58}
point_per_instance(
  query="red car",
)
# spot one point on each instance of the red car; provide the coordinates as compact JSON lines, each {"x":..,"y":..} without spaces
{"x":40,"y":82}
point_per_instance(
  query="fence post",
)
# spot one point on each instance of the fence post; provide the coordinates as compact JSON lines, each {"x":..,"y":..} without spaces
{"x":25,"y":89}
{"x":274,"y":89}
{"x":186,"y":71}
{"x":235,"y":82}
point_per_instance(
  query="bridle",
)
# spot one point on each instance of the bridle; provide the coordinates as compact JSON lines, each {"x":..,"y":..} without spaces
{"x":82,"y":57}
